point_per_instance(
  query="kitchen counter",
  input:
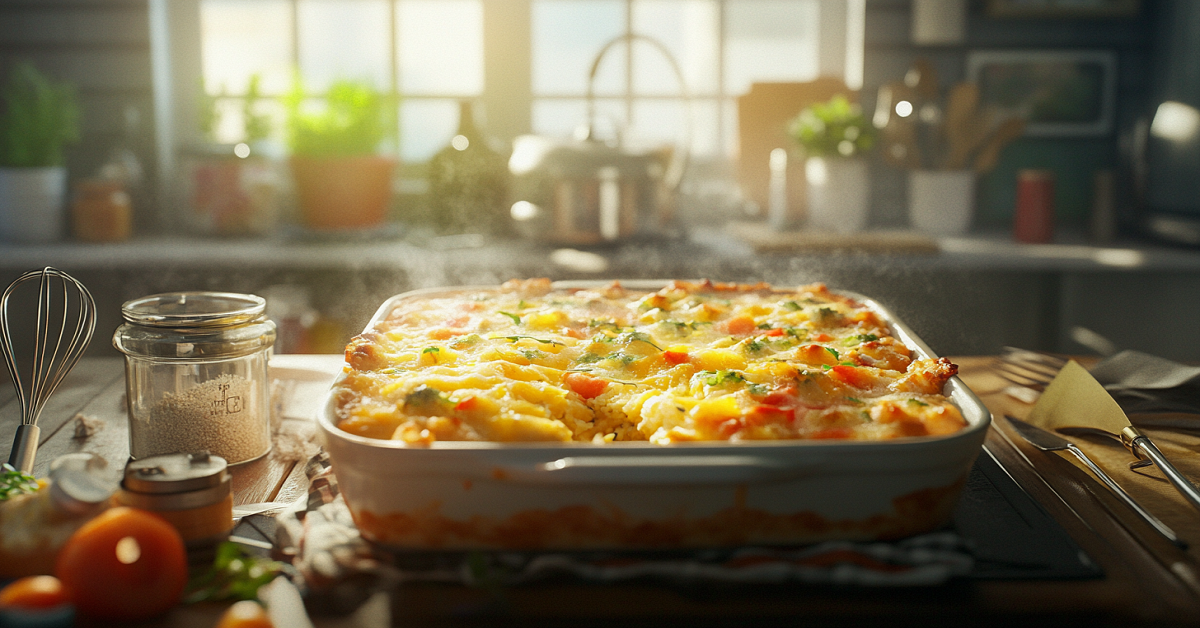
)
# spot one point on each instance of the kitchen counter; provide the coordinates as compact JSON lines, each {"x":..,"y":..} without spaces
{"x":972,"y":296}
{"x":1145,"y":578}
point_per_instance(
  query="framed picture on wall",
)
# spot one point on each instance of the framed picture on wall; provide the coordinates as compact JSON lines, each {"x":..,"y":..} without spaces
{"x":1059,"y":93}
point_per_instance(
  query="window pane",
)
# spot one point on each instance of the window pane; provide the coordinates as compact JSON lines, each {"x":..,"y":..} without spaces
{"x":242,"y":37}
{"x":560,"y":118}
{"x":769,"y":40}
{"x":662,"y":122}
{"x":688,"y":29}
{"x":426,"y":126}
{"x":567,"y":36}
{"x":440,"y":46}
{"x":344,"y":39}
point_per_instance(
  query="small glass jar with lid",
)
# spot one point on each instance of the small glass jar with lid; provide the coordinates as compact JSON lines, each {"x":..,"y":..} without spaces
{"x":196,"y":374}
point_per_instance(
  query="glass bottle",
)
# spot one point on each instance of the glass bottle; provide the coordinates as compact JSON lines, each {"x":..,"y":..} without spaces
{"x":468,"y":182}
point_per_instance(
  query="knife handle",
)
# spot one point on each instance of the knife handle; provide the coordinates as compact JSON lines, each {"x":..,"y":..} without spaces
{"x":1143,"y":444}
{"x":1127,"y":498}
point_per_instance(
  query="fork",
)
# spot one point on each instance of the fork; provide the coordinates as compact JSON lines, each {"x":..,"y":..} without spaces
{"x":1029,"y":372}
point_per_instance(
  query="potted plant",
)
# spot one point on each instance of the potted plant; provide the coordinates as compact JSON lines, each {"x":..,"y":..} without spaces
{"x":834,"y":136}
{"x":341,"y":182}
{"x":38,"y":118}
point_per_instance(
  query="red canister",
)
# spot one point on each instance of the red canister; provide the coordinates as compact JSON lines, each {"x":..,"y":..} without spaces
{"x":1034,"y":217}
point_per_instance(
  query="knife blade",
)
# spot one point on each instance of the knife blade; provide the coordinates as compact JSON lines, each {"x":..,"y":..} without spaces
{"x":1075,"y":395}
{"x":1049,"y":441}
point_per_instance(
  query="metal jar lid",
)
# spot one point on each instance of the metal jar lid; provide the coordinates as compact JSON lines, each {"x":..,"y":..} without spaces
{"x":176,"y":481}
{"x":194,"y":309}
{"x":185,"y":326}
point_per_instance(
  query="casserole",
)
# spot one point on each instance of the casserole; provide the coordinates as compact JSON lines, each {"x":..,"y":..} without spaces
{"x":465,"y":494}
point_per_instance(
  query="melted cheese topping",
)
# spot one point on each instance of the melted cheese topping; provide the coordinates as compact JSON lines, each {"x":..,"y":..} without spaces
{"x":688,"y":362}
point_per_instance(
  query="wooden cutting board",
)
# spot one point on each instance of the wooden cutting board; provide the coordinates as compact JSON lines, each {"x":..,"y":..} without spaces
{"x":765,"y":239}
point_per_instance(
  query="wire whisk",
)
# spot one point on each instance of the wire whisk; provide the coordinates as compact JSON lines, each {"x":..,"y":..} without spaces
{"x":66,"y":320}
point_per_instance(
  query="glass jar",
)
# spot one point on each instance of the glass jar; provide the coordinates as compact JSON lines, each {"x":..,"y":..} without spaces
{"x":196,"y":374}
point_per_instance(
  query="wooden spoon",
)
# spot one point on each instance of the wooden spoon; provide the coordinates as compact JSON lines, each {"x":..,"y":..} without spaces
{"x":962,"y":112}
{"x":989,"y":154}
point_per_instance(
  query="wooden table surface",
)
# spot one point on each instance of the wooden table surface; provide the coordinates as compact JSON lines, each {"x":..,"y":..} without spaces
{"x":1147,"y":579}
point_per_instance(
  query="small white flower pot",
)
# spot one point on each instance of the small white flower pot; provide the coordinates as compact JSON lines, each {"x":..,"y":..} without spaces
{"x":32,"y":204}
{"x":838,"y":194}
{"x":941,"y":202}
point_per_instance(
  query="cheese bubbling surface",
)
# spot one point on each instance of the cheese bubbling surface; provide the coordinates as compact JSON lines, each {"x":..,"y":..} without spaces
{"x":689,"y":362}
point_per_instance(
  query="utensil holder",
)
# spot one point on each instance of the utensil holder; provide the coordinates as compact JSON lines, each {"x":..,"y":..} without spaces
{"x":941,"y":202}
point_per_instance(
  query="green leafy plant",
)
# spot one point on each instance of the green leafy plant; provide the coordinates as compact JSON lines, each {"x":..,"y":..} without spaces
{"x":355,"y":120}
{"x":831,"y":129}
{"x":258,"y":125}
{"x":39,"y":117}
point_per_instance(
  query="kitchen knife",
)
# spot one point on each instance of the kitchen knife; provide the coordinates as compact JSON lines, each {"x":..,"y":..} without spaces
{"x":1076,"y":400}
{"x":1049,"y":441}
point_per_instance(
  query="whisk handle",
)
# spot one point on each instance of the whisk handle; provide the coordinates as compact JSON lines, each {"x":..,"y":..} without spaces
{"x":25,"y":447}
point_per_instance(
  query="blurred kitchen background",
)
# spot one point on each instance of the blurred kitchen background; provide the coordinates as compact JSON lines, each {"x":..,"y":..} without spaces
{"x":1059,"y":141}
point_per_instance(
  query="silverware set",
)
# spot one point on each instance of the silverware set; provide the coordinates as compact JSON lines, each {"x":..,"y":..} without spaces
{"x":1034,"y":371}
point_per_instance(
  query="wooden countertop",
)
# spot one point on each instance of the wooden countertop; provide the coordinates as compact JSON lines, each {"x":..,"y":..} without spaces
{"x":1147,"y":579}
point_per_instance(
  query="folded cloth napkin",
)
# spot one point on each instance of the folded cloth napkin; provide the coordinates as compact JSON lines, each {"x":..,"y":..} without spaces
{"x":1144,"y":383}
{"x":327,"y":549}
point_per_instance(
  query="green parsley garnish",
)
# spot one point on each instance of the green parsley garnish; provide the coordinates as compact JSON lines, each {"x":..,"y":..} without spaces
{"x":430,"y":350}
{"x":720,"y":378}
{"x":515,"y":319}
{"x":589,"y":358}
{"x":630,"y":337}
{"x":917,"y":402}
{"x":541,"y":340}
{"x":834,"y":352}
{"x":13,"y":482}
{"x":792,"y":305}
{"x":851,"y":341}
{"x":234,"y":575}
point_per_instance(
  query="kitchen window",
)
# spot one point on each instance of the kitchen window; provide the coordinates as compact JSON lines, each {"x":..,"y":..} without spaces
{"x":432,"y":53}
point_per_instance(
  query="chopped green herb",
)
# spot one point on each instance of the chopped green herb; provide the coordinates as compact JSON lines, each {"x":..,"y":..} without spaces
{"x":430,"y":350}
{"x":515,"y":319}
{"x":541,"y":340}
{"x":720,"y":378}
{"x":917,"y":402}
{"x":764,"y":325}
{"x":426,"y":401}
{"x":466,"y":341}
{"x":825,"y":313}
{"x":834,"y":352}
{"x":754,"y":346}
{"x":522,"y":304}
{"x":825,"y":367}
{"x":630,"y":337}
{"x":234,"y":575}
{"x":854,"y":399}
{"x":852,"y":341}
{"x":589,"y":358}
{"x":792,"y":305}
{"x":389,"y":370}
{"x":758,"y":390}
{"x":13,"y":482}
{"x":532,"y":354}
{"x":846,"y":364}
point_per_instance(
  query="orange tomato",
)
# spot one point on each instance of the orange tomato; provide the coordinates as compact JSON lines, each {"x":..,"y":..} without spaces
{"x":738,"y":325}
{"x":675,"y":357}
{"x":585,"y":385}
{"x":34,"y":592}
{"x":125,"y":564}
{"x":245,"y":614}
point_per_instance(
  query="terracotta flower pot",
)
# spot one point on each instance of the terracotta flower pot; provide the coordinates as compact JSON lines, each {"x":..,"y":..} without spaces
{"x":342,"y":192}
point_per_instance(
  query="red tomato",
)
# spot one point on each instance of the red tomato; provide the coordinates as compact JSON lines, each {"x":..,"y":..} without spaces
{"x":738,"y":325}
{"x":675,"y":357}
{"x":775,"y":332}
{"x":245,"y":614}
{"x":33,"y":592}
{"x":585,"y":385}
{"x":851,"y":376}
{"x":822,"y":337}
{"x":125,"y":564}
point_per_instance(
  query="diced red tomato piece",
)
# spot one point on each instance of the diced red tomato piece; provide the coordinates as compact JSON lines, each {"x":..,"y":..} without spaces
{"x":468,"y":404}
{"x":764,"y":414}
{"x":675,"y":357}
{"x":833,"y":433}
{"x":738,"y":325}
{"x":775,"y":332}
{"x":851,"y":375}
{"x":585,"y":385}
{"x":822,"y":337}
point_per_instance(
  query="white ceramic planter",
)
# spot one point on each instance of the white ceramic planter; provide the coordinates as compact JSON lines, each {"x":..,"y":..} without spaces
{"x":838,"y":194}
{"x":31,"y":204}
{"x":941,"y":202}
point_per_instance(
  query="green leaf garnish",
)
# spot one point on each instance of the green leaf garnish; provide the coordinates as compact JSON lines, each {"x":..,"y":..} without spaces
{"x":541,"y":340}
{"x":13,"y":482}
{"x":234,"y":575}
{"x":515,"y":319}
{"x":834,"y":352}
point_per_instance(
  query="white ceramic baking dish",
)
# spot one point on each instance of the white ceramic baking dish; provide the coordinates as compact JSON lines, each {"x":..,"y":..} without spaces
{"x":478,"y":495}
